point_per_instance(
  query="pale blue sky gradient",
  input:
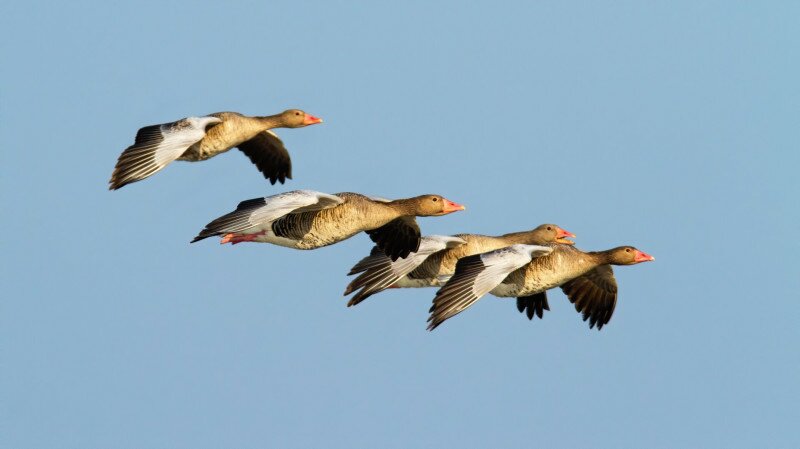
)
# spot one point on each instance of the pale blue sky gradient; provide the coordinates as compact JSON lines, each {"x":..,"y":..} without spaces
{"x":672,"y":126}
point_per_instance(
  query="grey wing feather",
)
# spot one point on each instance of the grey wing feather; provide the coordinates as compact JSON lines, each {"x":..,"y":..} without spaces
{"x":476,"y":276}
{"x":155,"y":147}
{"x":458,"y":293}
{"x":374,"y":259}
{"x":262,"y":211}
{"x":379,"y":272}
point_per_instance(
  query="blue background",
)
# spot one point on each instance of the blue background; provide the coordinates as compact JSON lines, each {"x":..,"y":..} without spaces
{"x":672,"y":126}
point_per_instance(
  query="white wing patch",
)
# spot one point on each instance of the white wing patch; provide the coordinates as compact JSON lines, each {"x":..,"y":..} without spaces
{"x":177,"y":139}
{"x":292,"y":202}
{"x":256,"y":215}
{"x":477,"y":275}
{"x":156,"y":146}
{"x":501,"y":262}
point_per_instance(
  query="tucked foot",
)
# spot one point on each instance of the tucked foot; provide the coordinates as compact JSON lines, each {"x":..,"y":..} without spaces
{"x":239,"y":238}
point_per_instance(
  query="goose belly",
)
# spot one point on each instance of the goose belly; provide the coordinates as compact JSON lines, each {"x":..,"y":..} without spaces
{"x":506,"y":290}
{"x":210,"y":147}
{"x":306,"y":231}
{"x":313,"y":240}
{"x":553,"y":273}
{"x":542,"y":274}
{"x":531,"y":286}
{"x":308,"y":241}
{"x":219,"y":139}
{"x":267,"y":236}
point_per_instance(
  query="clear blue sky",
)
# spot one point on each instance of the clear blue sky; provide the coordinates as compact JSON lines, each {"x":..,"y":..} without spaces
{"x":672,"y":126}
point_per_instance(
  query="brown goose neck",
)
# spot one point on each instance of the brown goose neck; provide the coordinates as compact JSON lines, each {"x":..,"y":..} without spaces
{"x":269,"y":121}
{"x":601,"y":257}
{"x":406,"y":206}
{"x":524,"y":237}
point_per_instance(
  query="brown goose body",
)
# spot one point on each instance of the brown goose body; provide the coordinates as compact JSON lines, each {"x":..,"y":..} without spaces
{"x":234,"y":129}
{"x":546,"y":272}
{"x":309,"y":220}
{"x":196,"y":139}
{"x":358,"y":213}
{"x":585,"y":277}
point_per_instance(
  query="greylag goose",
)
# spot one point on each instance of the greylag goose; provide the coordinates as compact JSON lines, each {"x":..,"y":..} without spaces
{"x":585,"y":277}
{"x":305,"y":219}
{"x":199,"y":138}
{"x":435,"y":261}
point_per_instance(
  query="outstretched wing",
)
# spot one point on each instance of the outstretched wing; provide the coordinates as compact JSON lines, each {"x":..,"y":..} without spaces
{"x":477,"y":275}
{"x":398,"y":238}
{"x":156,"y":146}
{"x":261,"y":212}
{"x":594,"y":294}
{"x":267,"y":152}
{"x":379,"y":271}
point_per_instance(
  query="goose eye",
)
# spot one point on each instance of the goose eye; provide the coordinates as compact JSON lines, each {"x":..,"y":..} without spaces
{"x":549,"y":228}
{"x":627,"y":250}
{"x":435,"y":199}
{"x":296,"y":113}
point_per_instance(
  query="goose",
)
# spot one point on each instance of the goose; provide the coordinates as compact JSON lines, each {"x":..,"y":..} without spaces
{"x":306,"y":219}
{"x":585,"y":277}
{"x":435,"y":261}
{"x":196,"y":139}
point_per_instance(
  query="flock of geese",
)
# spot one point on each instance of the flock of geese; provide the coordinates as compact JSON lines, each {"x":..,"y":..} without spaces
{"x":465,"y":267}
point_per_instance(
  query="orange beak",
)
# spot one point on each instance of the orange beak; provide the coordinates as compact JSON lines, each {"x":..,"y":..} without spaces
{"x":562,"y":234}
{"x":640,"y":256}
{"x":311,"y":120}
{"x":450,"y":206}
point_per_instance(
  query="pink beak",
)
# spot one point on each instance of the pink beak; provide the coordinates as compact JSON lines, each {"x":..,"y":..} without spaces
{"x":450,"y":206}
{"x":311,"y":120}
{"x":562,"y":234}
{"x":642,"y":257}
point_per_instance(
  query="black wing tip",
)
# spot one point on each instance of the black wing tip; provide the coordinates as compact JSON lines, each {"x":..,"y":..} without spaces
{"x":115,"y":183}
{"x":354,"y":301}
{"x":119,"y":185}
{"x":435,"y":321}
{"x":468,"y":260}
{"x":596,"y":319}
{"x":359,"y":297}
{"x":250,"y":203}
{"x":202,"y":236}
{"x":273,"y":178}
